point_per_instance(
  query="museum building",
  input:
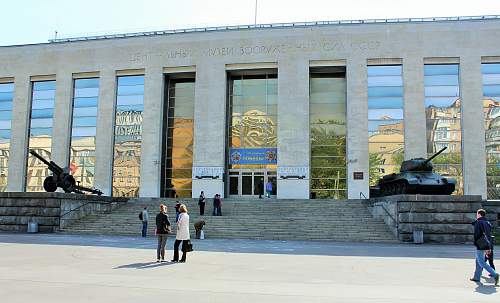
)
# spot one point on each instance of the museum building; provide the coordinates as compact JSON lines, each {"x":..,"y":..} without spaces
{"x":319,"y":109}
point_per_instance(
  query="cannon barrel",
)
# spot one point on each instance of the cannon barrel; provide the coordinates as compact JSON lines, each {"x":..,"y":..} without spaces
{"x":53,"y":167}
{"x":435,"y":155}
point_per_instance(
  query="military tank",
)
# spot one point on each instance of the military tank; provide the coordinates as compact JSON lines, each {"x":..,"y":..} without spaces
{"x":416,"y":176}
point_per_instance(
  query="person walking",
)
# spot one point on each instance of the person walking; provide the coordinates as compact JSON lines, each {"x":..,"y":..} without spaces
{"x":144,"y":216}
{"x":483,"y":243}
{"x":269,"y":189}
{"x":162,"y":230}
{"x":489,"y":257}
{"x":217,"y":205}
{"x":201,"y":203}
{"x":182,"y":234}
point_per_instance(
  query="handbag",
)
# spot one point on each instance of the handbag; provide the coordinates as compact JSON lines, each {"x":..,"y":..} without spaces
{"x":188,"y":247}
{"x":482,"y":242}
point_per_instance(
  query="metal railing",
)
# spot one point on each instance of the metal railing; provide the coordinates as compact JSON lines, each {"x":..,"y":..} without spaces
{"x":272,"y":25}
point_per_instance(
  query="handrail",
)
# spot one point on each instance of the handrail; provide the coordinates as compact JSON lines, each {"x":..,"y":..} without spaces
{"x":390,"y":216}
{"x":97,"y":36}
{"x":362,"y":195}
{"x":72,"y":210}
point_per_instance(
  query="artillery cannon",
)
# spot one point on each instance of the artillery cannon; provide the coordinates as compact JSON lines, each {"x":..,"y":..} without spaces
{"x":62,"y":178}
{"x":416,"y":176}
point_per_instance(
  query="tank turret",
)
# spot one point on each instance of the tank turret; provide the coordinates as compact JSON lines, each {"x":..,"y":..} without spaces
{"x":416,"y":176}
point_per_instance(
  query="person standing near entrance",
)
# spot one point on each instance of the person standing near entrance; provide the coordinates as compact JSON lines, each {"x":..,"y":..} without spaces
{"x":201,"y":203}
{"x":144,"y":218}
{"x":162,"y":230}
{"x":217,"y":206}
{"x":182,"y":234}
{"x":483,"y":243}
{"x":269,"y":189}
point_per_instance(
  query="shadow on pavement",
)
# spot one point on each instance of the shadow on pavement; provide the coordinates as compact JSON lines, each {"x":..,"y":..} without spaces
{"x":486,"y":289}
{"x":326,"y":248}
{"x":146,"y":265}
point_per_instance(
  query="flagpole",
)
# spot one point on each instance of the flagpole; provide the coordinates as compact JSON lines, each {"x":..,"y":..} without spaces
{"x":255,"y":19}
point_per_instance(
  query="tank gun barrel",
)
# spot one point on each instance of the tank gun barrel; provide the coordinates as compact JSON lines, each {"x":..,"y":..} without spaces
{"x":435,"y":155}
{"x":53,"y":167}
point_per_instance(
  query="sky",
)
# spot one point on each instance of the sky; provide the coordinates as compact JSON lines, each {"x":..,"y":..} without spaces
{"x":35,"y":21}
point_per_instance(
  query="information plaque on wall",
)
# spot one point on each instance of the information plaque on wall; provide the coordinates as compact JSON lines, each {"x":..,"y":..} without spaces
{"x":357,"y":175}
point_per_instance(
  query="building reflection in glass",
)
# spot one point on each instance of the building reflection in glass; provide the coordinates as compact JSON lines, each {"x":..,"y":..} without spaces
{"x":253,"y":124}
{"x":491,"y":105}
{"x":128,"y":136}
{"x":40,"y":133}
{"x":443,"y":119}
{"x":327,"y":118}
{"x":385,"y":120}
{"x":83,"y":130}
{"x":6,"y":97}
{"x":179,"y":155}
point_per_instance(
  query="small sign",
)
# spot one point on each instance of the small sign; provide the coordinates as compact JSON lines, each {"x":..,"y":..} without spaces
{"x":357,"y":175}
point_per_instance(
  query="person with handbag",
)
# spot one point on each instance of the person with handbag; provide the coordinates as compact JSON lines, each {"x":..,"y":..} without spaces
{"x":182,"y":235}
{"x":162,"y":230}
{"x":201,"y":203}
{"x":483,"y":243}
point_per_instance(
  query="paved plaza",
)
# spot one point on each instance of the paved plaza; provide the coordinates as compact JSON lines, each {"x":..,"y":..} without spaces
{"x":70,"y":268}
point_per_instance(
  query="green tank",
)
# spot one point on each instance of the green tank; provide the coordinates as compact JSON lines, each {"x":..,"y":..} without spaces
{"x":416,"y":176}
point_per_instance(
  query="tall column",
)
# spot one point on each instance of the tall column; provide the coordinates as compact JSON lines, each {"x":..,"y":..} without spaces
{"x":357,"y":129}
{"x":61,"y":132}
{"x":293,"y":128}
{"x":209,"y":129}
{"x":19,"y":133}
{"x":473,"y":142}
{"x":105,"y":131}
{"x":414,"y":108}
{"x":152,"y":132}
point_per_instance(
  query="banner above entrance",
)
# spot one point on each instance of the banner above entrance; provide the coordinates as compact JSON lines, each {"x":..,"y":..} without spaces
{"x":254,"y":155}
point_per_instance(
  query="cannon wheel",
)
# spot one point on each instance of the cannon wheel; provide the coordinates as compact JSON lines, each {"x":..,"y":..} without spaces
{"x":68,"y":184}
{"x":50,"y":184}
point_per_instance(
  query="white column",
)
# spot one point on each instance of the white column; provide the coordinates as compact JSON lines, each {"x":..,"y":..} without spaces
{"x":414,"y":108}
{"x":19,"y":133}
{"x":209,"y":129}
{"x":357,"y":129}
{"x":293,"y":128}
{"x":473,"y":142}
{"x":152,"y":132}
{"x":105,"y":131}
{"x":61,"y":132}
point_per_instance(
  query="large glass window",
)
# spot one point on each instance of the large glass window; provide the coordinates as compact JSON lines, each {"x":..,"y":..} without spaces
{"x":253,"y":126}
{"x":443,"y":119}
{"x":179,"y":161}
{"x":128,"y":136}
{"x":385,"y":120}
{"x":83,"y":131}
{"x":40,"y":132}
{"x":327,"y":118}
{"x":6,"y":97}
{"x":491,"y":105}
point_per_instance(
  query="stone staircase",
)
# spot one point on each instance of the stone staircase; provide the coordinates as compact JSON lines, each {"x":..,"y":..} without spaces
{"x":251,"y":219}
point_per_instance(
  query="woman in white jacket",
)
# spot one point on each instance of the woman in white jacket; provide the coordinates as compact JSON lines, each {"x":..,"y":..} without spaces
{"x":182,"y":234}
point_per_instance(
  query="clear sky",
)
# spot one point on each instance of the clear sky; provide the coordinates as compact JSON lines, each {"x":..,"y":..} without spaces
{"x":34,"y":21}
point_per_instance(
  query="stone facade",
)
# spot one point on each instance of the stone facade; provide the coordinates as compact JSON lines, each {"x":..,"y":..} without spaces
{"x":293,"y":51}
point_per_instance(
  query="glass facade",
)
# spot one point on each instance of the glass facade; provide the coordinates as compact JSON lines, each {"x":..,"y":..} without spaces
{"x":385,"y":120}
{"x":83,"y":131}
{"x":327,"y":113}
{"x":40,"y":133}
{"x":443,"y":119}
{"x":128,"y":136}
{"x":491,"y":106}
{"x":6,"y":98}
{"x":179,"y":154}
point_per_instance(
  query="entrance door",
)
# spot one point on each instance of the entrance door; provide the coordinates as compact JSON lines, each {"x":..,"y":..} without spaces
{"x":250,"y":183}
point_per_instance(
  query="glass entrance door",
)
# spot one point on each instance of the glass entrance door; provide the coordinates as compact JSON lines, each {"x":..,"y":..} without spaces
{"x":250,"y":183}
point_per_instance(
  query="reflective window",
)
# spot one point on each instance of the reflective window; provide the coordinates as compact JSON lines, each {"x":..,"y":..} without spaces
{"x":179,"y":141}
{"x":443,"y":117}
{"x":83,"y":131}
{"x":385,"y":120}
{"x":40,"y":133}
{"x":128,"y":136}
{"x":327,"y":117}
{"x":491,"y":106}
{"x":6,"y":97}
{"x":253,"y":126}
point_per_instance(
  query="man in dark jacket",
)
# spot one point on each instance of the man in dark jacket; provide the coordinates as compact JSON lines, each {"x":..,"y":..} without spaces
{"x":162,"y":229}
{"x":482,"y":229}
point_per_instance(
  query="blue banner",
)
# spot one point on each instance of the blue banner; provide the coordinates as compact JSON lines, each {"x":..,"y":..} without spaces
{"x":253,"y":155}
